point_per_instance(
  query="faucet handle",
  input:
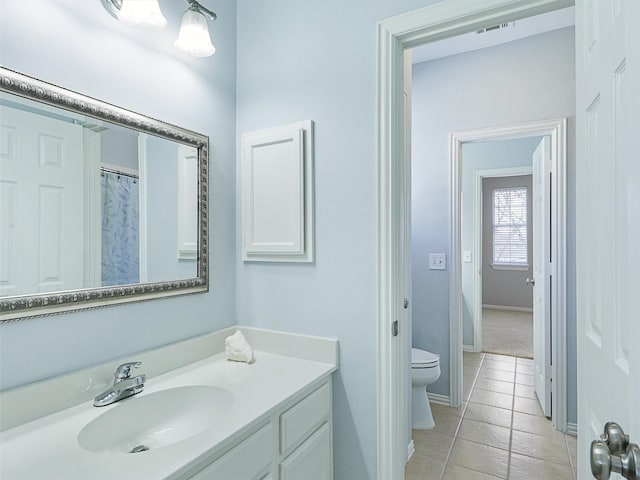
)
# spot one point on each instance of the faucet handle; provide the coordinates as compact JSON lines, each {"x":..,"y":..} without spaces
{"x":124,"y":371}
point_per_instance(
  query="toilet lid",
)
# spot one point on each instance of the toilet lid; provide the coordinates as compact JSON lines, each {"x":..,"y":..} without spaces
{"x":423,"y":358}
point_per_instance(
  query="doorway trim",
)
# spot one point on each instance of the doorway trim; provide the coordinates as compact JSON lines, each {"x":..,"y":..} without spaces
{"x":476,"y":263}
{"x":556,"y":129}
{"x":436,"y":22}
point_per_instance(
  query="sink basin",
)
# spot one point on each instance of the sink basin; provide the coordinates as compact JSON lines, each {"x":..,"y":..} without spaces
{"x":150,"y":421}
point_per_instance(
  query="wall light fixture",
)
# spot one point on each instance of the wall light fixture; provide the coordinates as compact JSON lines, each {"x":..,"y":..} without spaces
{"x":193,"y":38}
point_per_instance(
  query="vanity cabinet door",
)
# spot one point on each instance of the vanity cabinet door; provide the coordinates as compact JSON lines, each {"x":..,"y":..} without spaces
{"x":304,"y":418}
{"x":311,"y":460}
{"x":250,"y":460}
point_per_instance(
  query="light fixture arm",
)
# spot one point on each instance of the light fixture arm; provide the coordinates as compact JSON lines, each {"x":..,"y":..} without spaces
{"x":114,"y":6}
{"x":193,"y":4}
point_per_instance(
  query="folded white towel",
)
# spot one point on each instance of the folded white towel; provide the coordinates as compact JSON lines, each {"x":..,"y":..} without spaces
{"x":237,"y":348}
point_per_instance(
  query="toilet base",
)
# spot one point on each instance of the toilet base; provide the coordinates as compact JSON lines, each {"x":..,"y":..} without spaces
{"x":421,"y":416}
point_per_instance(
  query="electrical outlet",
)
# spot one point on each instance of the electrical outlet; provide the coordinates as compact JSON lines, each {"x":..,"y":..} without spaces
{"x":437,"y":261}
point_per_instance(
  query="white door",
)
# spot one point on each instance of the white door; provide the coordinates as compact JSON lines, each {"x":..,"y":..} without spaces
{"x":608,"y":195}
{"x":541,"y":196}
{"x":406,"y":318}
{"x":41,"y":195}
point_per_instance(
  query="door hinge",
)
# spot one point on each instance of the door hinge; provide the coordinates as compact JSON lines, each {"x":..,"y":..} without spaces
{"x":394,"y":328}
{"x":406,"y":303}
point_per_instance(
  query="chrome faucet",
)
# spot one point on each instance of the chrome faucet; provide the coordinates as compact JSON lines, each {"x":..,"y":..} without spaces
{"x":124,"y":385}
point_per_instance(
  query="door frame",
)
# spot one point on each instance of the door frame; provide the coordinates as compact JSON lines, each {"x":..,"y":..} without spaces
{"x":436,"y":22}
{"x":476,"y":262}
{"x":556,"y":129}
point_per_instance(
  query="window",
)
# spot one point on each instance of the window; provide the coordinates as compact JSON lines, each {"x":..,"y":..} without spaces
{"x":510,"y":226}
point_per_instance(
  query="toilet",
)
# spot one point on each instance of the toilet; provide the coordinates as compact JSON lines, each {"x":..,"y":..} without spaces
{"x":425,"y":369}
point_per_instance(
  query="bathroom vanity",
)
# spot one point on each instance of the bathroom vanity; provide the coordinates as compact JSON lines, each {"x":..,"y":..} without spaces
{"x":208,"y":419}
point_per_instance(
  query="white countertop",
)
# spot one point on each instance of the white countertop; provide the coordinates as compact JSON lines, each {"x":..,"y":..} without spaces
{"x":47,"y":448}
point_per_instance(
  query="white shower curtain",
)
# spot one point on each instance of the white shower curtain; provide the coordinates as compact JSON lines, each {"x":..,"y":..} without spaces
{"x":120,"y":227}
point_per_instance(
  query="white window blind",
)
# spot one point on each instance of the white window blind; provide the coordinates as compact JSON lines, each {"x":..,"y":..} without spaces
{"x":510,"y":226}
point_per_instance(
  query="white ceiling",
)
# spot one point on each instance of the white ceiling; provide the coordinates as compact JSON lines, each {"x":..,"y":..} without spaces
{"x":475,"y":41}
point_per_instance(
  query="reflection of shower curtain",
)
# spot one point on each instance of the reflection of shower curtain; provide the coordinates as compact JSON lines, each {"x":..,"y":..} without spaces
{"x":120,"y":246}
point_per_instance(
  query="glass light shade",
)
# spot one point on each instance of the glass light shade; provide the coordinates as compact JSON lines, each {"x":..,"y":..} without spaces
{"x":194,"y":35}
{"x":142,"y":13}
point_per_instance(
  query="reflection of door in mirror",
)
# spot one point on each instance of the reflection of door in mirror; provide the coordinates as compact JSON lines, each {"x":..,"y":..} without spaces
{"x":41,"y":202}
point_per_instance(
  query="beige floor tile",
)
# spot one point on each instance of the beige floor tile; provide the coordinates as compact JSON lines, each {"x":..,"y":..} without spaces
{"x":526,"y":369}
{"x":542,"y":448}
{"x":485,"y":433}
{"x":535,"y":424}
{"x":440,"y":410}
{"x":472,"y":361}
{"x":471,"y":365}
{"x":495,"y":399}
{"x":572,"y":447}
{"x":524,"y":391}
{"x":527,"y":405}
{"x":456,"y":472}
{"x":481,"y":458}
{"x":496,"y":374}
{"x":499,"y":358}
{"x":470,"y":371}
{"x":424,"y":468}
{"x":505,"y":366}
{"x":446,"y":424}
{"x":466,"y":392}
{"x":524,"y":379}
{"x":494,"y":385}
{"x":528,"y":468}
{"x":488,"y":414}
{"x":468,"y":379}
{"x":502,"y":420}
{"x":524,"y":361}
{"x":431,"y":444}
{"x":473,"y":357}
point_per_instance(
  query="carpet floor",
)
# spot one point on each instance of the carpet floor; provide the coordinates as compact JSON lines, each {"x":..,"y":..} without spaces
{"x":507,"y":332}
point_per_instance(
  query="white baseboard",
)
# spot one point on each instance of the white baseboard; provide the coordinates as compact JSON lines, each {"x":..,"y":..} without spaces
{"x":512,"y":309}
{"x":412,"y":449}
{"x":439,"y":399}
{"x":468,"y":348}
{"x":572,"y":429}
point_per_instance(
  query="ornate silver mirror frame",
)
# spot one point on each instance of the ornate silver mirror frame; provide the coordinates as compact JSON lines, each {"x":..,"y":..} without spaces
{"x":13,"y":308}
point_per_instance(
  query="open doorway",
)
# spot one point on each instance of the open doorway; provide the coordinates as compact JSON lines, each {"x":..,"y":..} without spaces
{"x":393,"y":174}
{"x":539,"y":149}
{"x":506,"y":256}
{"x":497,"y":227}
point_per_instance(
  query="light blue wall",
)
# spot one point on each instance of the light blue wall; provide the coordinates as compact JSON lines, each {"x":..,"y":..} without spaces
{"x":299,"y":60}
{"x":79,"y":46}
{"x":526,"y":80}
{"x":478,"y":156}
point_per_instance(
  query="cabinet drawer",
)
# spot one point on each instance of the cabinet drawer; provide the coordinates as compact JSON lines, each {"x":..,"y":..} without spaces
{"x":311,"y":460}
{"x":303,"y":418}
{"x":250,"y":460}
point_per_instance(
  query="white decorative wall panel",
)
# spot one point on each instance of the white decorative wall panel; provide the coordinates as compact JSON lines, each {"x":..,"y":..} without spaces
{"x":277,"y":194}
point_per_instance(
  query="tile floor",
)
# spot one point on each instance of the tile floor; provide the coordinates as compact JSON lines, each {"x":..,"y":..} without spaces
{"x":498,"y":433}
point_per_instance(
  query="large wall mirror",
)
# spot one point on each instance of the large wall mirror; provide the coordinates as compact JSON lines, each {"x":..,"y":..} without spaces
{"x":98,"y":205}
